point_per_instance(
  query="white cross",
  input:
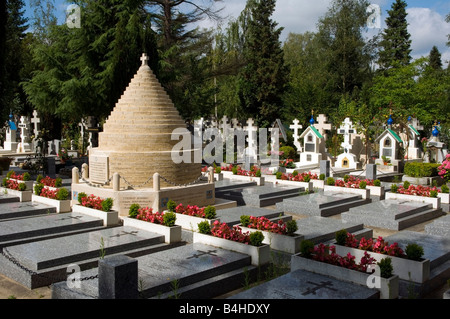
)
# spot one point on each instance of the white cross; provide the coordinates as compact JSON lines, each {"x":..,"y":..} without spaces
{"x":23,"y":128}
{"x":235,"y":122}
{"x":225,"y":126}
{"x":296,"y":127}
{"x":35,"y":120}
{"x":144,"y":59}
{"x":415,"y":123}
{"x":346,"y":129}
{"x":322,"y":125}
{"x":251,"y":137}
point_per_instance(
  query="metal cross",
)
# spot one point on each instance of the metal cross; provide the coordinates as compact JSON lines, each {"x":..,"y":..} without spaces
{"x":209,"y":252}
{"x":134,"y":232}
{"x":323,"y":284}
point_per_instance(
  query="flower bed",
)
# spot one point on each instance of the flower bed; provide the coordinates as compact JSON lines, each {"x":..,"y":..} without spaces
{"x":20,"y":179}
{"x":415,"y":193}
{"x":408,"y":267}
{"x":58,"y":198}
{"x":276,"y":235}
{"x":237,"y":173}
{"x":232,"y":238}
{"x":160,"y":223}
{"x":444,"y":169}
{"x":97,"y":207}
{"x":190,"y":216}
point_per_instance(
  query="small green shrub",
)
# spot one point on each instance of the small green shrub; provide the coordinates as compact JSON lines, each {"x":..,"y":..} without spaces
{"x":107,"y":204}
{"x":445,"y":189}
{"x":204,"y":228}
{"x":433,"y":194}
{"x":362,"y":185}
{"x":341,"y":237}
{"x":307,"y":178}
{"x":58,"y":182}
{"x":210,"y":212}
{"x":171,"y":205}
{"x":81,"y":195}
{"x":306,"y":248}
{"x":245,"y":220}
{"x":288,"y":152}
{"x":26,"y":176}
{"x":39,"y":178}
{"x":22,"y":187}
{"x":414,"y":251}
{"x":234,"y":170}
{"x":258,"y":173}
{"x":377,"y":182}
{"x":134,"y":210}
{"x":169,"y":219}
{"x":406,"y":184}
{"x":218,"y":170}
{"x":322,"y":177}
{"x":394,"y":188}
{"x":330,"y":181}
{"x":256,"y":238}
{"x":386,"y":267}
{"x":294,"y":173}
{"x":415,"y":169}
{"x":291,"y":227}
{"x":279,"y":174}
{"x":63,"y":194}
{"x":9,"y":174}
{"x":346,"y":178}
{"x":38,"y":189}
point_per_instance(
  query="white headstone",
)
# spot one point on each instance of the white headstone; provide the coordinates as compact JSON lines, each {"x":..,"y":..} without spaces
{"x":322,"y":125}
{"x":35,"y":120}
{"x":296,"y":128}
{"x":346,"y":129}
{"x":252,"y":139}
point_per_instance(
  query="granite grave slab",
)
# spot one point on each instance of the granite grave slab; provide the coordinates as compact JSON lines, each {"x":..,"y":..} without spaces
{"x":392,"y":214}
{"x":232,"y":216}
{"x":260,"y":196}
{"x":300,"y":284}
{"x":8,"y":198}
{"x":44,"y":262}
{"x":320,"y":204}
{"x":24,"y":209}
{"x":19,"y":231}
{"x":322,"y":229}
{"x":439,"y":227}
{"x":199,"y":271}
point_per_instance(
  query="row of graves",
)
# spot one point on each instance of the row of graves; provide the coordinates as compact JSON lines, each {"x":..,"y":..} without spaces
{"x":137,"y":225}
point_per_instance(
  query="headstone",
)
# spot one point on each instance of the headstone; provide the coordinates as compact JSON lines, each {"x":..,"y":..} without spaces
{"x":24,"y":145}
{"x":412,"y":135}
{"x":346,"y":159}
{"x":51,"y":167}
{"x":251,"y":150}
{"x":371,"y":171}
{"x":325,"y":168}
{"x":35,"y":120}
{"x":322,"y":126}
{"x":99,"y":169}
{"x":296,"y":128}
{"x":439,"y":227}
{"x":118,"y":278}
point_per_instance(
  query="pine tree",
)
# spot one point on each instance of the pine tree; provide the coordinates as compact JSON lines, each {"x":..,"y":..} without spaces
{"x":263,"y":79}
{"x":395,"y":43}
{"x":435,"y":59}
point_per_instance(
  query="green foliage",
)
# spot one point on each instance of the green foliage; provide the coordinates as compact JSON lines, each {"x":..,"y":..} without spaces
{"x":169,"y":219}
{"x":322,"y":177}
{"x":256,"y":238}
{"x":346,"y":178}
{"x":288,"y":152}
{"x":38,"y":189}
{"x":386,"y":267}
{"x":171,"y":205}
{"x":245,"y":220}
{"x":234,"y":170}
{"x":362,"y":185}
{"x":58,"y":182}
{"x":377,"y":182}
{"x":210,"y":212}
{"x":9,"y":174}
{"x":134,"y":210}
{"x":330,"y":181}
{"x":26,"y":176}
{"x":278,"y":175}
{"x":415,"y":169}
{"x":204,"y":228}
{"x":406,"y":184}
{"x":341,"y":237}
{"x":414,"y":251}
{"x":39,"y":178}
{"x":294,"y":173}
{"x":291,"y":227}
{"x":81,"y":195}
{"x":218,"y":170}
{"x":22,"y":187}
{"x":445,"y":189}
{"x":394,"y":188}
{"x":306,"y":248}
{"x":63,"y":194}
{"x":258,"y":173}
{"x":107,"y":204}
{"x":433,"y":194}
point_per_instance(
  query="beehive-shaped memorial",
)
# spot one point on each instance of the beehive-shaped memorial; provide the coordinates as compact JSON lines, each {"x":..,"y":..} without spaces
{"x":136,"y":139}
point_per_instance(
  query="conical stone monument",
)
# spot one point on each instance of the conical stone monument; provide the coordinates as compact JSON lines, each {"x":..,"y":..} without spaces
{"x":136,"y":141}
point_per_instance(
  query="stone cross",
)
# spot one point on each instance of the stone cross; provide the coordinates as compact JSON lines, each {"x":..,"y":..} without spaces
{"x":296,"y":127}
{"x":144,"y":59}
{"x":35,"y":120}
{"x":323,"y":284}
{"x":415,"y":123}
{"x":251,"y":130}
{"x":235,"y":123}
{"x":225,"y":127}
{"x":203,"y":253}
{"x":346,"y":129}
{"x":322,"y":125}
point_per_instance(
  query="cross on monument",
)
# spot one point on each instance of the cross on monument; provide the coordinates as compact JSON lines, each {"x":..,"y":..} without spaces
{"x":203,"y":253}
{"x":144,"y":59}
{"x":71,"y":217}
{"x":322,"y":125}
{"x":346,"y":129}
{"x":35,"y":121}
{"x":251,"y":137}
{"x":296,"y":127}
{"x":415,"y":123}
{"x":323,"y":284}
{"x":134,"y":232}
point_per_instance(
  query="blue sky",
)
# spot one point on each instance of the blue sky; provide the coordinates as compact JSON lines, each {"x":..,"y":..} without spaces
{"x":426,"y":19}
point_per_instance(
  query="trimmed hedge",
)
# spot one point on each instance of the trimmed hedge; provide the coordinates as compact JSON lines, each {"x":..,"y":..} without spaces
{"x":415,"y":169}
